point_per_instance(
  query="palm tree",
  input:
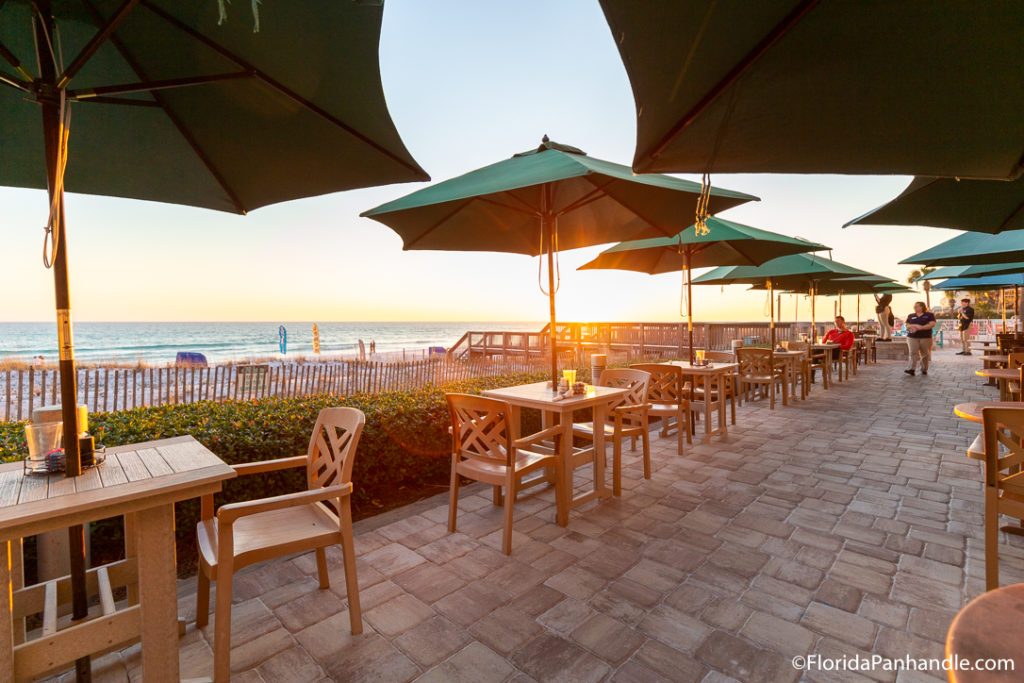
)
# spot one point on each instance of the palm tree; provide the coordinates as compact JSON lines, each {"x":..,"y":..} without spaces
{"x":926,"y":285}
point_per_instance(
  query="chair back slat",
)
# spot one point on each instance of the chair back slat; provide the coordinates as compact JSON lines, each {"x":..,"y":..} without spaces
{"x":666,"y":384}
{"x":636,"y":381}
{"x":481,"y":428}
{"x":332,"y":446}
{"x":1014,"y":360}
{"x":720,"y":356}
{"x":755,"y":361}
{"x":1004,"y":441}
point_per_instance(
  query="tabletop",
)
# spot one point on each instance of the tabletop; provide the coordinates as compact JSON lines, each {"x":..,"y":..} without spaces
{"x":998,"y":373}
{"x":988,"y":627}
{"x":709,"y":369}
{"x":972,"y":411}
{"x":995,"y":358}
{"x":132,"y":475}
{"x":540,"y":395}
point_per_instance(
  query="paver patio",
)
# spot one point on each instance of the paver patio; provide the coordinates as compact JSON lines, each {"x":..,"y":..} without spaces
{"x":848,"y":524}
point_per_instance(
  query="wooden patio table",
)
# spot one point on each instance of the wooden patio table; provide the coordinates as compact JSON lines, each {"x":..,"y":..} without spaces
{"x":540,"y":396}
{"x":712,"y":378}
{"x":972,"y":411}
{"x":995,"y":359}
{"x":1004,"y":375}
{"x":139,"y":481}
{"x":987,"y":628}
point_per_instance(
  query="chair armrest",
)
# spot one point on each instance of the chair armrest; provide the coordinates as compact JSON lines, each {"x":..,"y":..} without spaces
{"x":227,"y":514}
{"x":532,"y":439}
{"x":639,"y":407}
{"x":247,"y":468}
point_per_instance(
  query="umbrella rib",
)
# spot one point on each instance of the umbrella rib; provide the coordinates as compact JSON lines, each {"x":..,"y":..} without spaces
{"x":97,"y":40}
{"x":13,"y":60}
{"x":279,"y":87}
{"x":121,"y":101}
{"x":13,"y":82}
{"x":591,"y":196}
{"x":149,"y":86}
{"x":1010,"y":218}
{"x":741,"y":67}
{"x":642,"y":216}
{"x":185,"y":133}
{"x":529,"y":210}
{"x":436,"y":225}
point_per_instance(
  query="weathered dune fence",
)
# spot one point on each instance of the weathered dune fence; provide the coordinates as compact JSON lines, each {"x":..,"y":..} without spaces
{"x":113,"y":388}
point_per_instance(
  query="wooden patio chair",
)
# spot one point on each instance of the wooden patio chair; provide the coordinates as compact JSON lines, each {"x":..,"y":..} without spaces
{"x":627,"y":417}
{"x":1014,"y":361}
{"x":253,"y":531}
{"x":669,"y":397}
{"x":731,"y":383}
{"x":1003,"y":436}
{"x":804,"y":373}
{"x":758,"y":369}
{"x":483,"y":450}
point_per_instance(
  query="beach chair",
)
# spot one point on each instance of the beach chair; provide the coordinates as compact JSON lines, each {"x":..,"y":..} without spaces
{"x":669,"y":396}
{"x":244,"y":533}
{"x":758,"y":369}
{"x":1003,"y":436}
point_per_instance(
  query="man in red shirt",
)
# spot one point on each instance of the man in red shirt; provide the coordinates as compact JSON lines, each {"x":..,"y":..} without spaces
{"x":841,"y":335}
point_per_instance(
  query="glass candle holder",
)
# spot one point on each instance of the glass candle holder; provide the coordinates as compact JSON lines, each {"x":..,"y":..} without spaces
{"x":44,"y":440}
{"x":700,"y":356}
{"x":570,"y":376}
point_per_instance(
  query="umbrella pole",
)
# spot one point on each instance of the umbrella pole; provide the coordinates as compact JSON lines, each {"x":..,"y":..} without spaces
{"x":814,"y":324}
{"x":52,"y":131}
{"x":548,"y":227}
{"x":858,"y":312}
{"x":771,"y":318}
{"x":689,"y":304}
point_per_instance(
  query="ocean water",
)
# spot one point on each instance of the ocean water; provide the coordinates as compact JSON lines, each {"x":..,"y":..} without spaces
{"x":158,"y":343}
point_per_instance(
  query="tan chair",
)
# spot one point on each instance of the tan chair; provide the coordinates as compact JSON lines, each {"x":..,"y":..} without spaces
{"x":820,"y":360}
{"x":731,"y":394}
{"x":669,"y":396}
{"x":758,"y":369}
{"x":1014,"y":361}
{"x":1004,"y":482}
{"x":483,"y":450}
{"x":803,"y":374}
{"x":627,"y":417}
{"x":245,"y":533}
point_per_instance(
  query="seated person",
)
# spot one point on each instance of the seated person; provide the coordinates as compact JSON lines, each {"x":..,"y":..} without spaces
{"x":841,"y":335}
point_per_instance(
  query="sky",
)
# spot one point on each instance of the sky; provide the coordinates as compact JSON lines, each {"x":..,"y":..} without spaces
{"x":468,"y":83}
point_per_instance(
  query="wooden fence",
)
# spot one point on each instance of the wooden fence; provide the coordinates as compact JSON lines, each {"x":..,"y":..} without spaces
{"x":110,"y":389}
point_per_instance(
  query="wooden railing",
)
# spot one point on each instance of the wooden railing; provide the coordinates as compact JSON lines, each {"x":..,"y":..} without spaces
{"x":628,"y":338}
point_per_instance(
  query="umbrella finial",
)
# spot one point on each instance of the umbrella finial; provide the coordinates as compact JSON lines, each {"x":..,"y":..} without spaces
{"x":545,"y":139}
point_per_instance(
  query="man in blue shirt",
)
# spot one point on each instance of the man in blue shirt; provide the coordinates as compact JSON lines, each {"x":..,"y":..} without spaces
{"x":919,"y":337}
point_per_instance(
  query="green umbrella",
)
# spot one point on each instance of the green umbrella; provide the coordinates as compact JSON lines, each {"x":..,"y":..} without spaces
{"x":178,"y":102}
{"x":788,"y":272}
{"x":990,"y":206}
{"x":548,"y":199}
{"x":803,"y":86}
{"x":973,"y":248}
{"x":943,"y":272}
{"x":987,"y":282}
{"x":876,"y":284}
{"x":727,"y":243}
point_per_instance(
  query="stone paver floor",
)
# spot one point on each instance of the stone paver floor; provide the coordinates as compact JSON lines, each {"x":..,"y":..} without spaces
{"x":848,"y":524}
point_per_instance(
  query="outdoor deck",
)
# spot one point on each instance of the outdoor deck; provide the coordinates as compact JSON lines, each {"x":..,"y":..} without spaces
{"x":847,"y":524}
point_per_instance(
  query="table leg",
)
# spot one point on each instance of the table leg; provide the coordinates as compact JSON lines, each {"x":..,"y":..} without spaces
{"x":707,"y":407}
{"x":564,"y":451}
{"x":157,"y":585}
{"x":6,"y":613}
{"x":723,"y":422}
{"x":600,"y":415}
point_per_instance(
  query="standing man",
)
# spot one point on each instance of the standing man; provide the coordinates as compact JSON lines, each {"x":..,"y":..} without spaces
{"x":965,"y":316}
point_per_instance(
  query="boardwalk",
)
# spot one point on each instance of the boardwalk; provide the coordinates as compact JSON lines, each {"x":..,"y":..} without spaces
{"x":845,"y":525}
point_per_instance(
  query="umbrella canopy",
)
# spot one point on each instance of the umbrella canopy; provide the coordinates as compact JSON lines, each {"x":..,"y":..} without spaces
{"x":497,"y":207}
{"x":802,"y":86}
{"x":990,"y":206}
{"x":943,"y":272}
{"x":787,"y":272}
{"x":170,"y":106}
{"x":987,"y":282}
{"x":973,"y":248}
{"x":544,"y":200}
{"x":838,"y":288}
{"x":726,"y":243}
{"x":173,"y":104}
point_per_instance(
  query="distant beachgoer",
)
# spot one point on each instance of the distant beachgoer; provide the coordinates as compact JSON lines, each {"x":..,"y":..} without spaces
{"x":373,"y":347}
{"x":919,"y":337}
{"x":884,"y":313}
{"x":965,"y":316}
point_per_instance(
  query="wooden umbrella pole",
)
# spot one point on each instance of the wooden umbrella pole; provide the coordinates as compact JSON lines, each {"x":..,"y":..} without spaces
{"x":548,"y":229}
{"x":689,"y":303}
{"x":771,"y":319}
{"x":858,"y":312}
{"x":48,"y":97}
